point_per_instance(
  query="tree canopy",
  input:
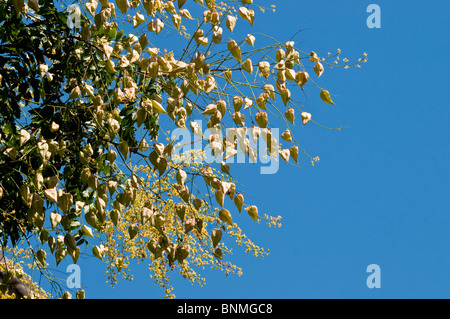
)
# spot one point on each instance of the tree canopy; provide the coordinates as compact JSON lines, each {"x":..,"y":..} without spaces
{"x":102,"y":147}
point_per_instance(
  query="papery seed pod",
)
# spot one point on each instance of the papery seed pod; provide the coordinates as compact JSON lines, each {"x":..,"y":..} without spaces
{"x":268,"y":88}
{"x":287,"y":136}
{"x":231,"y":23}
{"x":186,"y":14}
{"x":290,"y":115}
{"x":306,"y":117}
{"x":325,"y":96}
{"x":314,"y":57}
{"x":176,"y":19}
{"x":237,"y":103}
{"x":264,"y":68}
{"x":318,"y":68}
{"x":280,"y":55}
{"x":250,"y":39}
{"x":123,"y":5}
{"x":253,"y":212}
{"x":221,"y":107}
{"x":285,"y":95}
{"x":24,"y":137}
{"x":224,"y":167}
{"x":285,"y":155}
{"x":261,"y":119}
{"x":225,"y":216}
{"x":247,"y":66}
{"x":227,"y":74}
{"x":262,"y":100}
{"x":247,"y":14}
{"x":255,"y":132}
{"x":217,"y":35}
{"x":301,"y":78}
{"x":216,"y":236}
{"x":235,"y":50}
{"x":210,"y":109}
{"x":294,"y":153}
{"x":238,"y":118}
{"x":124,"y":148}
{"x":290,"y":74}
{"x":239,"y":201}
{"x":247,"y":103}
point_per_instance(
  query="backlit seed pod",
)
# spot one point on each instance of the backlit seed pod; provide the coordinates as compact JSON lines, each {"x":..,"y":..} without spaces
{"x":216,"y":118}
{"x":290,"y":115}
{"x":306,"y":117}
{"x":262,"y":100}
{"x":220,"y":197}
{"x":110,"y":66}
{"x":176,"y":19}
{"x":264,"y":68}
{"x":301,"y":78}
{"x":124,"y":148}
{"x":235,"y":50}
{"x":196,"y":129}
{"x":231,"y":23}
{"x":325,"y":96}
{"x":287,"y":136}
{"x":255,"y":132}
{"x":216,"y":236}
{"x":253,"y":212}
{"x":217,"y":35}
{"x":314,"y":57}
{"x":225,"y":216}
{"x":285,"y":155}
{"x":239,"y":201}
{"x":24,"y":137}
{"x":280,"y":55}
{"x":246,"y":1}
{"x":224,"y":167}
{"x":247,"y":14}
{"x":221,"y":107}
{"x":247,"y":103}
{"x":238,"y":118}
{"x":206,"y":16}
{"x":181,"y":176}
{"x":210,"y":109}
{"x":186,"y":14}
{"x":294,"y":153}
{"x":318,"y":68}
{"x":268,"y":88}
{"x":111,"y":156}
{"x":280,"y":65}
{"x":227,"y":74}
{"x":215,"y":18}
{"x":285,"y":95}
{"x":290,"y":74}
{"x":289,"y":46}
{"x":247,"y":66}
{"x":250,"y":39}
{"x":237,"y":103}
{"x":281,"y":75}
{"x":261,"y":119}
{"x":123,"y":5}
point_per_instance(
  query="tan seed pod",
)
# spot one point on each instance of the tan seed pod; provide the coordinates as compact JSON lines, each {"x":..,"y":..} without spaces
{"x":290,"y":115}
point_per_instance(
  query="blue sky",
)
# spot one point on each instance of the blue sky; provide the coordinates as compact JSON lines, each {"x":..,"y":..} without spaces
{"x":379,"y":194}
